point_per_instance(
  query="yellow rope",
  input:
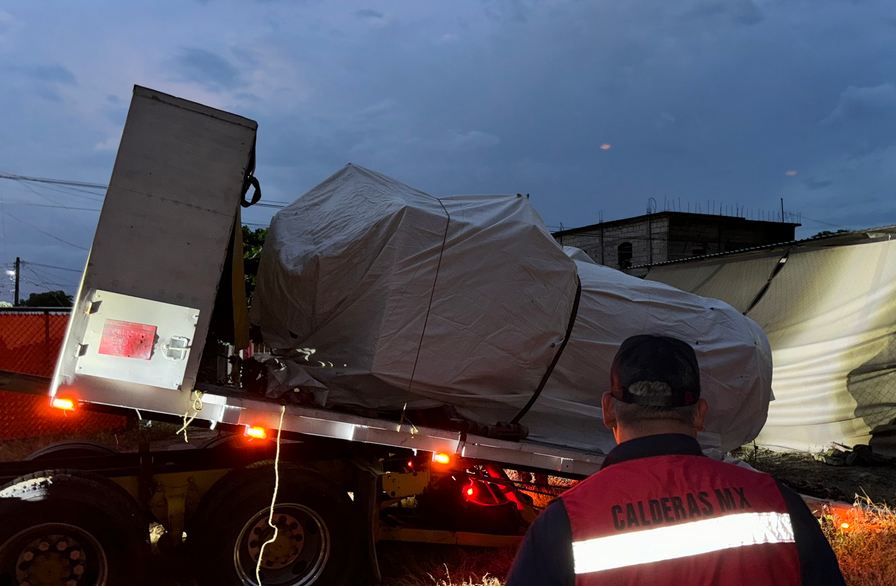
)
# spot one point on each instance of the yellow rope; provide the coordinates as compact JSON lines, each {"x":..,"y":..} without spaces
{"x":273,"y":500}
{"x":197,"y":407}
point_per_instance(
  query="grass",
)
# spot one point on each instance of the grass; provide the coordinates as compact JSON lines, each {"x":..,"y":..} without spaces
{"x":414,"y":564}
{"x":864,"y":540}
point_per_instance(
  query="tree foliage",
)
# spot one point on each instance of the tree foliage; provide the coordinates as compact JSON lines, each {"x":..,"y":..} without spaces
{"x":253,"y":242}
{"x":48,"y":299}
{"x":829,"y":233}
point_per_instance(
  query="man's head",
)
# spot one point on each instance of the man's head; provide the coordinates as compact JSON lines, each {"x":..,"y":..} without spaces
{"x":654,"y":388}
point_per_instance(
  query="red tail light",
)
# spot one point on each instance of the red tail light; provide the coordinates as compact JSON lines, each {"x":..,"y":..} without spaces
{"x":441,"y":458}
{"x":256,"y":432}
{"x":64,"y":404}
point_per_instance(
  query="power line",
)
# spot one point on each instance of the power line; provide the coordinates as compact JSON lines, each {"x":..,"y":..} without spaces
{"x":32,"y":190}
{"x":46,"y":233}
{"x":52,"y":181}
{"x":54,"y":293}
{"x":71,"y":191}
{"x":37,"y":264}
{"x":46,"y":281}
{"x":45,"y":275}
{"x":825,"y":223}
{"x":44,"y":205}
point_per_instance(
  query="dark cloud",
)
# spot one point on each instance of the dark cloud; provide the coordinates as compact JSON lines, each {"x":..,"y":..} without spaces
{"x":369,"y":13}
{"x":509,"y":10}
{"x":47,"y":93}
{"x":864,"y":102}
{"x":116,"y":114}
{"x":7,"y":22}
{"x":738,"y":11}
{"x":247,"y":97}
{"x":815,"y":185}
{"x":206,"y":69}
{"x":56,"y":74}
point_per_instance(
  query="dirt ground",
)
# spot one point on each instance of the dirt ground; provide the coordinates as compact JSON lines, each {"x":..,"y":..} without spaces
{"x":804,"y":474}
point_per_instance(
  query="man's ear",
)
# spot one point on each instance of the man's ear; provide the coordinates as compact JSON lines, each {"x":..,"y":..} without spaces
{"x":700,"y":415}
{"x":609,"y":414}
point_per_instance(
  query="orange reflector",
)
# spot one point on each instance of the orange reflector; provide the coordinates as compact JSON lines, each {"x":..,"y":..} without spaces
{"x":64,"y":404}
{"x":256,"y":432}
{"x":844,"y":525}
{"x":441,"y":458}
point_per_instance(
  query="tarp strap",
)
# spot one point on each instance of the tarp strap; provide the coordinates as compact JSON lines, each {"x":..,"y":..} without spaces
{"x":768,"y":283}
{"x":432,"y":293}
{"x":547,"y":374}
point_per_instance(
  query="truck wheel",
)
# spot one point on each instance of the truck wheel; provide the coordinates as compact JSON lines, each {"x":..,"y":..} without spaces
{"x":317,"y":540}
{"x":70,"y":528}
{"x":72,"y":449}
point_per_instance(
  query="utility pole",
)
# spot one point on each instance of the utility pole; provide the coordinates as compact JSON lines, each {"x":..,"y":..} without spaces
{"x":18,"y":271}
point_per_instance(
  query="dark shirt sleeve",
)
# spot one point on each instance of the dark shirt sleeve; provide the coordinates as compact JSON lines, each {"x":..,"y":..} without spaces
{"x":818,"y":564}
{"x":545,"y":556}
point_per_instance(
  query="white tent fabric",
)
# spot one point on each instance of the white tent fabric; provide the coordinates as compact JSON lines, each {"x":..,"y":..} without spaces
{"x":398,"y":298}
{"x":737,"y":281}
{"x":830,"y":317}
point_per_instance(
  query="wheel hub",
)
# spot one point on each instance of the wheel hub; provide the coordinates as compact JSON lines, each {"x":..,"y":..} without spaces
{"x":285,"y":549}
{"x":51,"y":560}
{"x":297,"y":557}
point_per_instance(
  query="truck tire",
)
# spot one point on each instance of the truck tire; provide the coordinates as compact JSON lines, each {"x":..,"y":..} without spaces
{"x":72,"y":449}
{"x":318,"y":538}
{"x":64,"y":527}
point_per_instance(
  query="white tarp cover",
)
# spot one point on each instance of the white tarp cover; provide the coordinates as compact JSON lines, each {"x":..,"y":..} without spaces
{"x":830,"y":317}
{"x":398,"y":297}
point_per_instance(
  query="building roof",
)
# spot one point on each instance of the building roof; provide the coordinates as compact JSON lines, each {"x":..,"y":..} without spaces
{"x":828,"y":240}
{"x":706,"y":217}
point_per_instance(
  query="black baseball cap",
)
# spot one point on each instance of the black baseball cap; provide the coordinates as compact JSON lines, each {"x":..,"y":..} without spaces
{"x":647,"y":358}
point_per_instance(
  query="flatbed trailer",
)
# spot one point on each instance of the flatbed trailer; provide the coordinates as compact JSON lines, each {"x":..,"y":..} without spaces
{"x":162,"y":287}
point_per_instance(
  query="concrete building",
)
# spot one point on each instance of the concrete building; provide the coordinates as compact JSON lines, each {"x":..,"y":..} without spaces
{"x":664,"y":236}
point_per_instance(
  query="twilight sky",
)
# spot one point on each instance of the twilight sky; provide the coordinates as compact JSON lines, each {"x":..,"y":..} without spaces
{"x":592,"y":107}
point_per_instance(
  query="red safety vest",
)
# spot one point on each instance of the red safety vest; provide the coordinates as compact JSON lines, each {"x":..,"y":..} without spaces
{"x":681,"y":520}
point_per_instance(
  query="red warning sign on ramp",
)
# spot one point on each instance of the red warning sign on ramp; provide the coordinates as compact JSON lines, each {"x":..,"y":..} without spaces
{"x":126,"y":339}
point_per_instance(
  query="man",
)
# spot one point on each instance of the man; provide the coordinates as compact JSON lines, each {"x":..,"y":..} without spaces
{"x":659,"y":512}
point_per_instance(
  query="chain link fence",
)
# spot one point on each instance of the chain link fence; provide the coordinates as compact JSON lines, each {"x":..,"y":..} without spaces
{"x":30,"y":340}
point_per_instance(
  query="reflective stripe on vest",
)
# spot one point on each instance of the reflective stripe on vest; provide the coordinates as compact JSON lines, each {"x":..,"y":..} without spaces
{"x":679,"y":541}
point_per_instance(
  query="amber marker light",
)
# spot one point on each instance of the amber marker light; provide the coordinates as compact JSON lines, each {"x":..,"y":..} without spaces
{"x":64,"y":404}
{"x":441,"y":458}
{"x":256,"y":432}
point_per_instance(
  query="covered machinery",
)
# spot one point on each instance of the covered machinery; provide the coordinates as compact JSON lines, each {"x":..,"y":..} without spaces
{"x":385,"y":297}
